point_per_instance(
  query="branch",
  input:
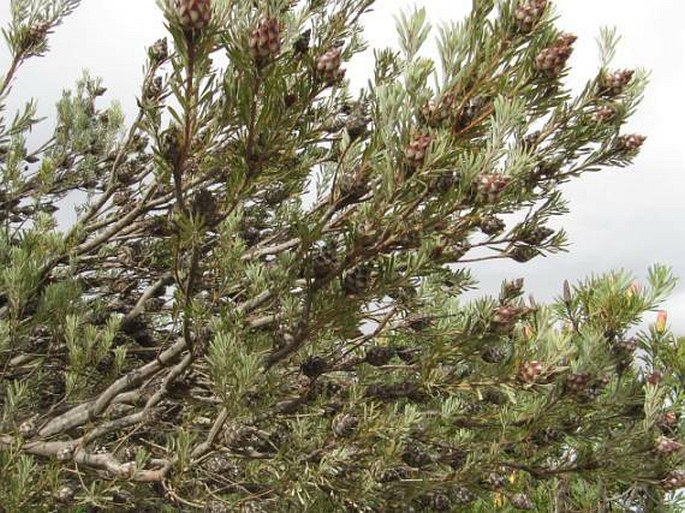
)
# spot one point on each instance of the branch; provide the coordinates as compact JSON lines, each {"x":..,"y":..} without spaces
{"x":85,"y":412}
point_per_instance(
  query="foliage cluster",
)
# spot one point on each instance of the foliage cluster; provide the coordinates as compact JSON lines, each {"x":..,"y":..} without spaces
{"x":258,"y":307}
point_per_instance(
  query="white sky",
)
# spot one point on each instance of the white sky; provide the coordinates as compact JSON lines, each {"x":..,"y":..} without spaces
{"x":623,"y":218}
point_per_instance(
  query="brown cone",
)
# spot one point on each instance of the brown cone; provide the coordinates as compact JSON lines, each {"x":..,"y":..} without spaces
{"x":551,"y":60}
{"x":265,"y":42}
{"x":328,"y":66}
{"x":194,"y":14}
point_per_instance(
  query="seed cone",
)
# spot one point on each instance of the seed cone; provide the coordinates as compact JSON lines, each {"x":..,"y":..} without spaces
{"x":613,"y":84}
{"x":530,"y":371}
{"x":417,"y":149}
{"x":528,"y":13}
{"x":328,"y":66}
{"x":194,"y":14}
{"x":265,"y":41}
{"x":491,"y":185}
{"x":551,"y":60}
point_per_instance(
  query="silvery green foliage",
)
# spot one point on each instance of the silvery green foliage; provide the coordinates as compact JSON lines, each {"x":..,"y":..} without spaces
{"x":258,"y":306}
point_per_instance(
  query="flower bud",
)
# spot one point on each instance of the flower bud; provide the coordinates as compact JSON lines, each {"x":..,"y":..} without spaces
{"x":661,"y":319}
{"x":633,"y":289}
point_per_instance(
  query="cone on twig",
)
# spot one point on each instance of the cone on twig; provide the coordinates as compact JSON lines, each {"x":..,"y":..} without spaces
{"x":578,"y":381}
{"x":528,"y":13}
{"x":668,"y":422}
{"x":345,"y":425}
{"x":314,"y":366}
{"x":491,"y":185}
{"x":630,"y":143}
{"x":328,"y":66}
{"x":522,"y":253}
{"x":265,"y":40}
{"x":301,"y":44}
{"x":674,"y":480}
{"x":551,"y":60}
{"x":159,"y":51}
{"x":34,"y":37}
{"x":530,"y":371}
{"x":667,"y":446}
{"x":417,"y":149}
{"x":536,"y":236}
{"x":613,"y":84}
{"x":379,"y":355}
{"x":603,"y":114}
{"x":324,"y":260}
{"x":194,"y":14}
{"x":505,"y":316}
{"x":521,"y":501}
{"x":357,"y":280}
{"x":492,"y":225}
{"x":352,"y":185}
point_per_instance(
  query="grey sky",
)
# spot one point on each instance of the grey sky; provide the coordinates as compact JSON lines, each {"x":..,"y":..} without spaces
{"x":623,"y":218}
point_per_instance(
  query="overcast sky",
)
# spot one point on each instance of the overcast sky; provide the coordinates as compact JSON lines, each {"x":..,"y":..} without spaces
{"x":622,"y":218}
